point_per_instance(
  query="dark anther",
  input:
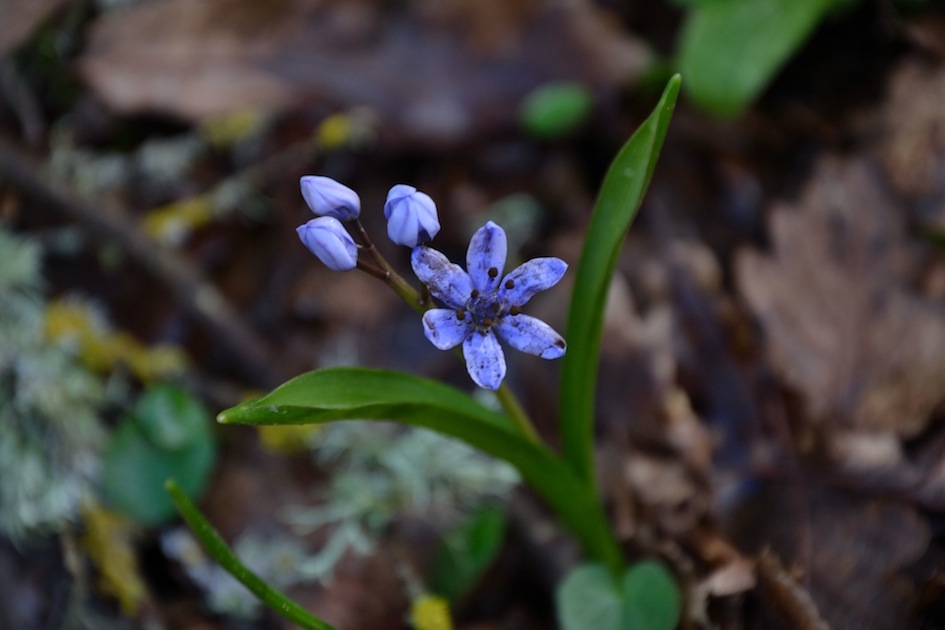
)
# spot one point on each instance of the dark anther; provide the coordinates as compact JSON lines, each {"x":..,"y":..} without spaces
{"x":559,"y":343}
{"x":460,"y":314}
{"x":487,"y":322}
{"x":474,"y":294}
{"x":515,"y":310}
{"x":509,"y":284}
{"x":493,"y":272}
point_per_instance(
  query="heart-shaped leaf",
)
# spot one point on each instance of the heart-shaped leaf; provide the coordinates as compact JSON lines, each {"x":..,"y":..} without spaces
{"x":645,"y":598}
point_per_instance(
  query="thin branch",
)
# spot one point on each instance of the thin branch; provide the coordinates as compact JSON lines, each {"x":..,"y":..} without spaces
{"x":194,"y":293}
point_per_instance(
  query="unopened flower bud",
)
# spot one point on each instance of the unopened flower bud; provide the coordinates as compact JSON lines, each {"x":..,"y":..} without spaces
{"x":411,"y":216}
{"x":330,"y":242}
{"x":328,"y":198}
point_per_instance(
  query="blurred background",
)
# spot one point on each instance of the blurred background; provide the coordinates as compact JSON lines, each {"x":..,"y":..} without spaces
{"x":773,"y":372}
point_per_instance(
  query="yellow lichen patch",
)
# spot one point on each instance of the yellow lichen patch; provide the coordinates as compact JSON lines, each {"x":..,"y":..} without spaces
{"x":108,"y":542}
{"x":287,"y":439}
{"x":229,"y":129}
{"x":334,"y":132}
{"x":173,"y":223}
{"x":430,"y":612}
{"x":353,"y":128}
{"x":74,"y":324}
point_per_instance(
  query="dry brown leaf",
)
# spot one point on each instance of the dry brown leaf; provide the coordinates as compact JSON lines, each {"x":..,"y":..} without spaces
{"x":435,"y":74}
{"x":840,"y":321}
{"x":859,"y":549}
{"x":21,"y":18}
{"x":913,"y":143}
{"x":851,"y":556}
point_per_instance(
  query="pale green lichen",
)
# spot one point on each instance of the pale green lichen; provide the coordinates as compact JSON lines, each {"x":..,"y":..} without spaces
{"x":383,"y":472}
{"x":50,"y":433}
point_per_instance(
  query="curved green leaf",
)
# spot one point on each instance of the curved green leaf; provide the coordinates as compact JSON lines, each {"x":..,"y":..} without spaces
{"x":365,"y":394}
{"x":217,"y":549}
{"x":617,"y":204}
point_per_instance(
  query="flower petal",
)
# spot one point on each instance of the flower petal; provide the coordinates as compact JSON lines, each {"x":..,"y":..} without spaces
{"x":537,"y":275}
{"x":531,"y":335}
{"x":326,"y":197}
{"x":485,"y":360}
{"x":444,"y":329}
{"x":330,"y":242}
{"x":487,"y":250}
{"x":446,"y":281}
{"x":411,"y":216}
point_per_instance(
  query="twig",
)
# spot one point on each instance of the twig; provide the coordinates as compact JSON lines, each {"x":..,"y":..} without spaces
{"x":194,"y":293}
{"x":787,"y":596}
{"x":23,"y":103}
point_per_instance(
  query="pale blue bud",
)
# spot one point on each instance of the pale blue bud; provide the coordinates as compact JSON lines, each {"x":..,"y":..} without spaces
{"x":411,"y":216}
{"x":327,"y":198}
{"x":330,"y":242}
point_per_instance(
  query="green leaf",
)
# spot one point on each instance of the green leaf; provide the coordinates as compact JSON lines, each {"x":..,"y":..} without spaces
{"x":651,"y":597}
{"x":217,"y":549}
{"x":170,"y":417}
{"x":135,"y":469}
{"x":554,"y":109}
{"x":620,"y":196}
{"x":588,"y":598}
{"x":731,"y":49}
{"x":364,"y":394}
{"x":646,"y":598}
{"x":466,"y":553}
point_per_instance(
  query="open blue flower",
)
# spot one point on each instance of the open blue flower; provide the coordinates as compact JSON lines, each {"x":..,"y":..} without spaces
{"x":482,"y":303}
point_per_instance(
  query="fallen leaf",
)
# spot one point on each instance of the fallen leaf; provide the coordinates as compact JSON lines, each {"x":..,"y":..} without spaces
{"x":852,"y":556}
{"x":21,"y":18}
{"x":434,"y":72}
{"x":833,"y":297}
{"x":912,"y":143}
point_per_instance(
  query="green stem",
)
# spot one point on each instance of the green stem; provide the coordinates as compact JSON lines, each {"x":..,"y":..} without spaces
{"x":383,"y":270}
{"x":217,"y":548}
{"x":516,"y":413}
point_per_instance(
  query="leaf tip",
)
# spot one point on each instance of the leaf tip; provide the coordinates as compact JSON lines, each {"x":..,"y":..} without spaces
{"x":671,"y":91}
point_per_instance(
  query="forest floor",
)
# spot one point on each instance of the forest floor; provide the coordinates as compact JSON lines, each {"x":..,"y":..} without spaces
{"x":772,"y":379}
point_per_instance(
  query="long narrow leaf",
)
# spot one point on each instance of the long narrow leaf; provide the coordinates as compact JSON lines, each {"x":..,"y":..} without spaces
{"x":215,"y":546}
{"x":354,"y":393}
{"x":620,"y":197}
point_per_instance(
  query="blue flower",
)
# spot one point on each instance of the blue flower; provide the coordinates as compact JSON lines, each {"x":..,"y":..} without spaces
{"x":481,"y":304}
{"x":411,"y":216}
{"x":330,"y":242}
{"x":327,"y":198}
